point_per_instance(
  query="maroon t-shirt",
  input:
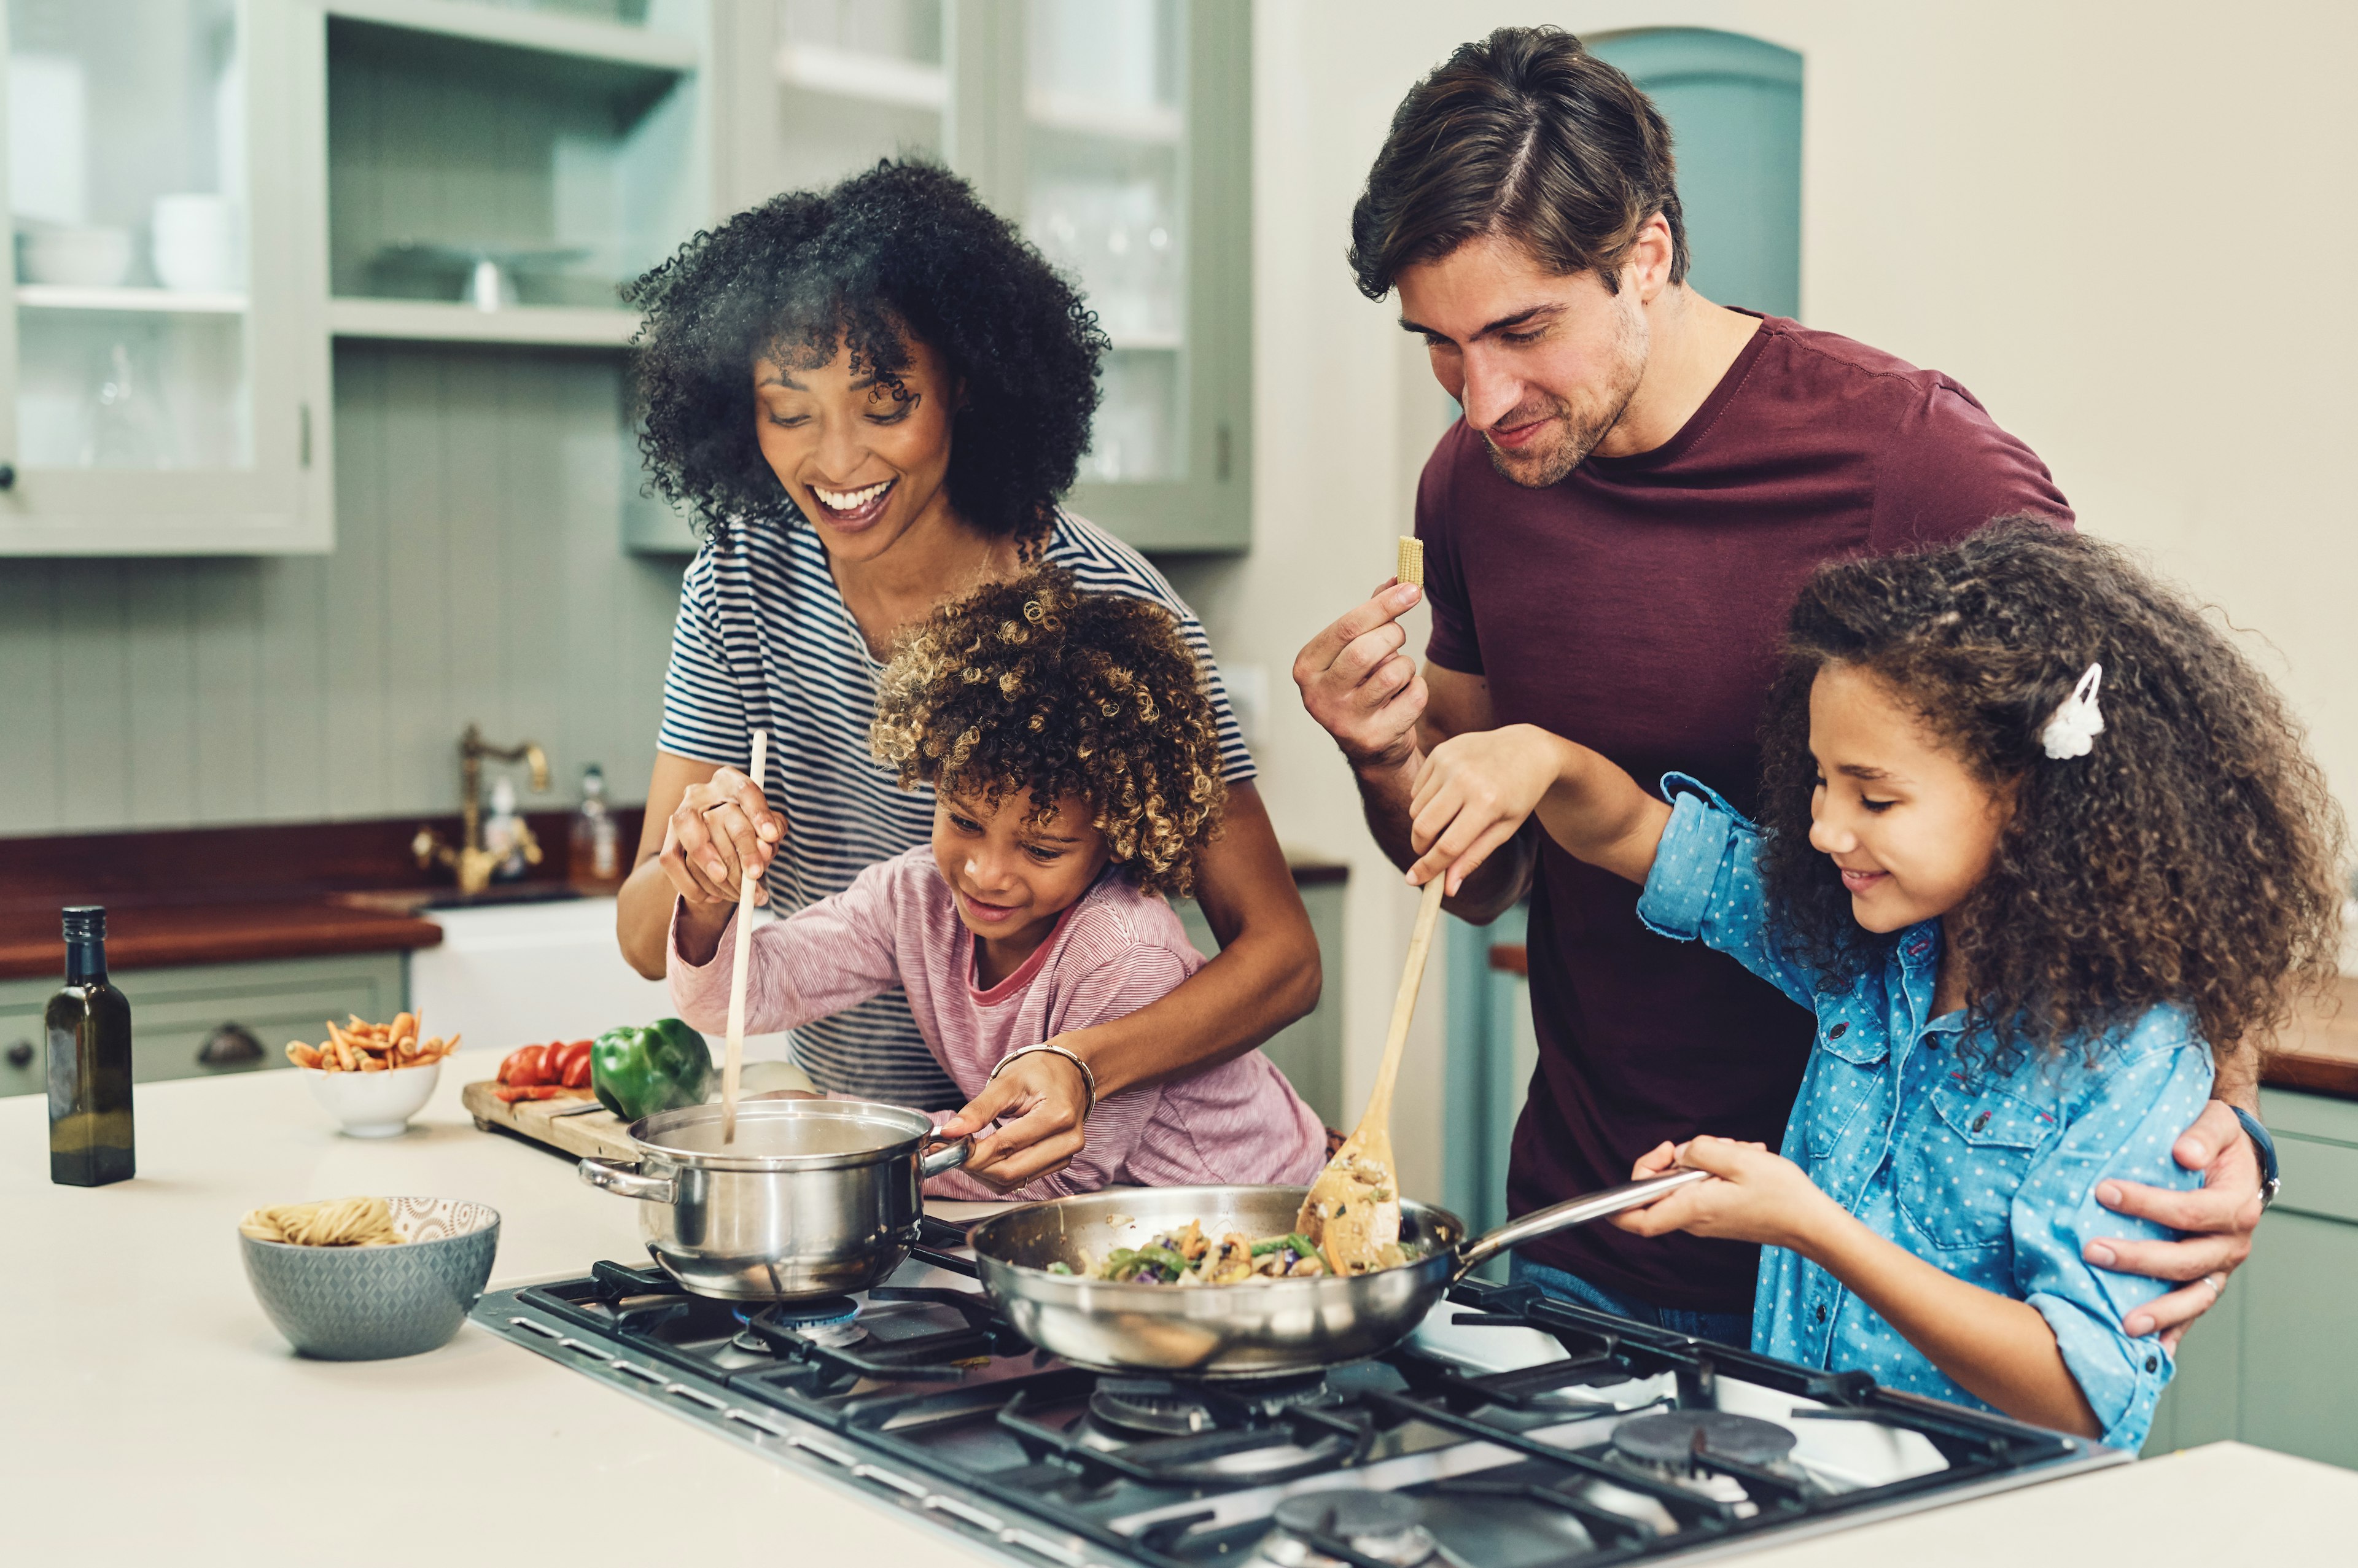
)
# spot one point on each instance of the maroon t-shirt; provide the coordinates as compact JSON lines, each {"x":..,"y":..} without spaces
{"x":1636,"y":607}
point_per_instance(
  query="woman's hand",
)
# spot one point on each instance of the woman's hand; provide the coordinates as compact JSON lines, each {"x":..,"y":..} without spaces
{"x":1042,"y":1098}
{"x":1759,"y":1196}
{"x":1473,"y":793}
{"x":720,"y":828}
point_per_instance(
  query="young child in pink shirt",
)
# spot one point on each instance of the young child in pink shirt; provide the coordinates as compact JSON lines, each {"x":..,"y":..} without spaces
{"x":1076,"y":775}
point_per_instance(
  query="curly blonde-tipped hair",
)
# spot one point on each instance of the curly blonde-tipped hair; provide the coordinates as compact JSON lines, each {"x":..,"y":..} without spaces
{"x":1032,"y":684}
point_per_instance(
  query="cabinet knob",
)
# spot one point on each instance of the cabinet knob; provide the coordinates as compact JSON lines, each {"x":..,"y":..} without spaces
{"x":230,"y":1045}
{"x":20,"y":1054}
{"x":7,"y":476}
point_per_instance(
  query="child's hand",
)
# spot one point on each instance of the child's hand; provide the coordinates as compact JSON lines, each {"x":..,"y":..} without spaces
{"x":1759,"y":1196}
{"x":696,"y":929}
{"x":1472,"y":793}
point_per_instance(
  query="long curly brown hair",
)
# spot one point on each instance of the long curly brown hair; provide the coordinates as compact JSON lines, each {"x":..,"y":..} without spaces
{"x":2193,"y":857}
{"x":1032,"y":684}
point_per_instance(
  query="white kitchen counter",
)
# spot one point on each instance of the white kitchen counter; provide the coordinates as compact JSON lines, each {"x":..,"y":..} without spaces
{"x":150,"y":1413}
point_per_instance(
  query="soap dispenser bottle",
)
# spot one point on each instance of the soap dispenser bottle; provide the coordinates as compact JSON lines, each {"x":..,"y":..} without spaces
{"x":503,"y":833}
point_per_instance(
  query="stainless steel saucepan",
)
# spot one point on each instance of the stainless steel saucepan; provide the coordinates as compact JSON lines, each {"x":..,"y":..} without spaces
{"x":814,"y":1197}
{"x":1261,"y":1330}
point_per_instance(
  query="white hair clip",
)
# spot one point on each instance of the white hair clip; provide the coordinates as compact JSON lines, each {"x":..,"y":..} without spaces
{"x":2072,"y":732}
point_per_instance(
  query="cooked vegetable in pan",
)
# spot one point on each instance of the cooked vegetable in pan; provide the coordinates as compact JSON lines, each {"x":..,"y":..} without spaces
{"x":1188,"y":1257}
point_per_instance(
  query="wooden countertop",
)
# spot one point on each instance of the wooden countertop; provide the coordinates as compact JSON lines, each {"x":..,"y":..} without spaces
{"x":156,"y":935}
{"x":2319,"y":1053}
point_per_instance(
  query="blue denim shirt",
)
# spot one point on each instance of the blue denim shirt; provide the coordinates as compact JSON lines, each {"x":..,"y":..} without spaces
{"x":1989,"y":1176}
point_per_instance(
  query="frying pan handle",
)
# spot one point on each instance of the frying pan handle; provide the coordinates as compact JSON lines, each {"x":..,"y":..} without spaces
{"x":949,"y":1157}
{"x":1473,"y":1254}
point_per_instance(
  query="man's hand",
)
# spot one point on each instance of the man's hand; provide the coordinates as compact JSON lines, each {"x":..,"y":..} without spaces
{"x":1042,"y":1098}
{"x":1473,"y":793}
{"x":1358,"y":685}
{"x":2215,"y":1224}
{"x":1759,"y":1196}
{"x":719,"y":829}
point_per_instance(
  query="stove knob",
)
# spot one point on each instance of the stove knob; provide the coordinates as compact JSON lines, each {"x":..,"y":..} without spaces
{"x":20,"y":1054}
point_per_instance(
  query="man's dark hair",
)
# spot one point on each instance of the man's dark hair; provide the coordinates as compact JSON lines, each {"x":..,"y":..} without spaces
{"x":1524,"y":135}
{"x":902,"y":250}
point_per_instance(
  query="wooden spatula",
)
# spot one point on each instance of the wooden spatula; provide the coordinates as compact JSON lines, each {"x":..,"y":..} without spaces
{"x":1352,"y":1210}
{"x":732,"y":1062}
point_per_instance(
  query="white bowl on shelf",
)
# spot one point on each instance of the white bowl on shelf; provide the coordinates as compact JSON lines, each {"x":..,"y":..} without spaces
{"x":374,"y":1105}
{"x":74,"y":257}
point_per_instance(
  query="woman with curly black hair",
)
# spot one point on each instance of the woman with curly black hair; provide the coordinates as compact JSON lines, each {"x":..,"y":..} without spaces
{"x":1073,"y":761}
{"x":2038,"y":843}
{"x":872,"y":397}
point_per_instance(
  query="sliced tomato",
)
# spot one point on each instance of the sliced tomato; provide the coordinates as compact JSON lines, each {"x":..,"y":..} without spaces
{"x":528,"y":1064}
{"x":573,"y":1064}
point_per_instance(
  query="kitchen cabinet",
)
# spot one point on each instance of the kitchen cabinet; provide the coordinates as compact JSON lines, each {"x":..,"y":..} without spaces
{"x":174,"y":1010}
{"x":1309,"y":1050}
{"x":1118,"y":134}
{"x":2270,"y":1363}
{"x":163,"y":375}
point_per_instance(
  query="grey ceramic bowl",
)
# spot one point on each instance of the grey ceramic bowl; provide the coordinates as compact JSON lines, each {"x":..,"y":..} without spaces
{"x":367,"y":1303}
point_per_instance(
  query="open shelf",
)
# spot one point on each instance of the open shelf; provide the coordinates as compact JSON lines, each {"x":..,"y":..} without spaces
{"x":581,"y":37}
{"x":158,"y":301}
{"x":436,"y":321}
{"x":1076,"y":115}
{"x":873,"y":78}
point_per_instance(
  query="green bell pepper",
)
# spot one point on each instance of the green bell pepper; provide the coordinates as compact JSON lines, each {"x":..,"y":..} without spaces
{"x":638,"y":1072}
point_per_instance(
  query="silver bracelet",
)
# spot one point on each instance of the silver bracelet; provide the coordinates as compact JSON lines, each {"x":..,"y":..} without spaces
{"x":1088,"y":1079}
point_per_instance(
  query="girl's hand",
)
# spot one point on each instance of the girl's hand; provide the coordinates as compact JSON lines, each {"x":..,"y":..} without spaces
{"x":1759,"y":1196}
{"x":1472,"y":795}
{"x":720,"y":828}
{"x":1042,"y":1099}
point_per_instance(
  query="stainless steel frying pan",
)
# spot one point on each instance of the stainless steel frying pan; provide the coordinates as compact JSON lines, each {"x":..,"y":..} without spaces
{"x":1261,"y":1330}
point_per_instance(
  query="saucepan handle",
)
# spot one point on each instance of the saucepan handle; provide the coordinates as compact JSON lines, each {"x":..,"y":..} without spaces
{"x":1473,"y":1254}
{"x":949,"y":1157}
{"x":628,"y":1180}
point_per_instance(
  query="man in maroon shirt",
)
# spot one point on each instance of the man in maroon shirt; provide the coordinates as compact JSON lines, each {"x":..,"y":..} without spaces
{"x":1613,"y":532}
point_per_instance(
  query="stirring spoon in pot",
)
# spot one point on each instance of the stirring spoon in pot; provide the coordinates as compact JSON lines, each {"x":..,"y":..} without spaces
{"x":733,"y":1060}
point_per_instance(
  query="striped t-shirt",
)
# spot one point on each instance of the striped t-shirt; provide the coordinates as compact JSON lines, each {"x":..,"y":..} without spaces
{"x":765,"y":640}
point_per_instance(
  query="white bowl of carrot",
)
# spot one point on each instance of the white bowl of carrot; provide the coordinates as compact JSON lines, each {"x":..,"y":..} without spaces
{"x":373,"y":1077}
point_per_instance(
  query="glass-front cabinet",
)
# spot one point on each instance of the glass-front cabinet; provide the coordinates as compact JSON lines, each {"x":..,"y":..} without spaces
{"x":163,"y":383}
{"x":1117,"y":134}
{"x":1135,"y":183}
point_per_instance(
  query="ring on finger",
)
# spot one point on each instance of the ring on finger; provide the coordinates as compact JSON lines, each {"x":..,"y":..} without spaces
{"x":2217,"y":1284}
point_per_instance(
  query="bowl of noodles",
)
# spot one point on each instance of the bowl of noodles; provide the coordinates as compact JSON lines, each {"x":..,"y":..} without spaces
{"x":366,"y":1278}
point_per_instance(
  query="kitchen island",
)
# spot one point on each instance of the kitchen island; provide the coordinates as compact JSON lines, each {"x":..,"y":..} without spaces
{"x":153,"y":1414}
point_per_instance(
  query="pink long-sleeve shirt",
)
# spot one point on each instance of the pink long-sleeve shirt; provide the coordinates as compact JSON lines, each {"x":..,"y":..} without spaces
{"x":1111,"y":954}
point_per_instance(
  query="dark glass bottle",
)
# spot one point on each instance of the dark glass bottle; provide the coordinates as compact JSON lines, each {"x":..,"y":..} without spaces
{"x":89,"y":1063}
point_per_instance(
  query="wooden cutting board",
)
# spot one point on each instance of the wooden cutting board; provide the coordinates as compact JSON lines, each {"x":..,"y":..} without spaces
{"x":599,"y":1132}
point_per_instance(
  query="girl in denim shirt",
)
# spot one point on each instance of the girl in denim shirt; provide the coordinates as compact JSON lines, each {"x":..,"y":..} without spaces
{"x":2035,"y":841}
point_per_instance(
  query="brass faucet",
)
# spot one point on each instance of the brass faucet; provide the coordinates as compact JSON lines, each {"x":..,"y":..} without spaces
{"x":470,"y":859}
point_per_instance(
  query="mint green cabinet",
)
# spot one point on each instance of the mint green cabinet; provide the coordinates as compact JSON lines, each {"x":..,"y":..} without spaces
{"x":174,"y":1010}
{"x":2271,"y":1363}
{"x":1119,"y":134}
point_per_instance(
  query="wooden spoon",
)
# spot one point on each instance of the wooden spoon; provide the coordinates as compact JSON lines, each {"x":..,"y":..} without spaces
{"x":732,"y":1062}
{"x":1353,"y":1210}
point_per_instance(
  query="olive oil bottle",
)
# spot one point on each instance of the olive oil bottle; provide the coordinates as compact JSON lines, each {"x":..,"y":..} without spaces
{"x":89,"y":1063}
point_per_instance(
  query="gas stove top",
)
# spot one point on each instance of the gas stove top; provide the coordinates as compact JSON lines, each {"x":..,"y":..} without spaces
{"x":1511,"y":1429}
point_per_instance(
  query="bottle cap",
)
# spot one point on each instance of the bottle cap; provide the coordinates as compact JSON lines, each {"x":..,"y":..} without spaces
{"x":85,"y":923}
